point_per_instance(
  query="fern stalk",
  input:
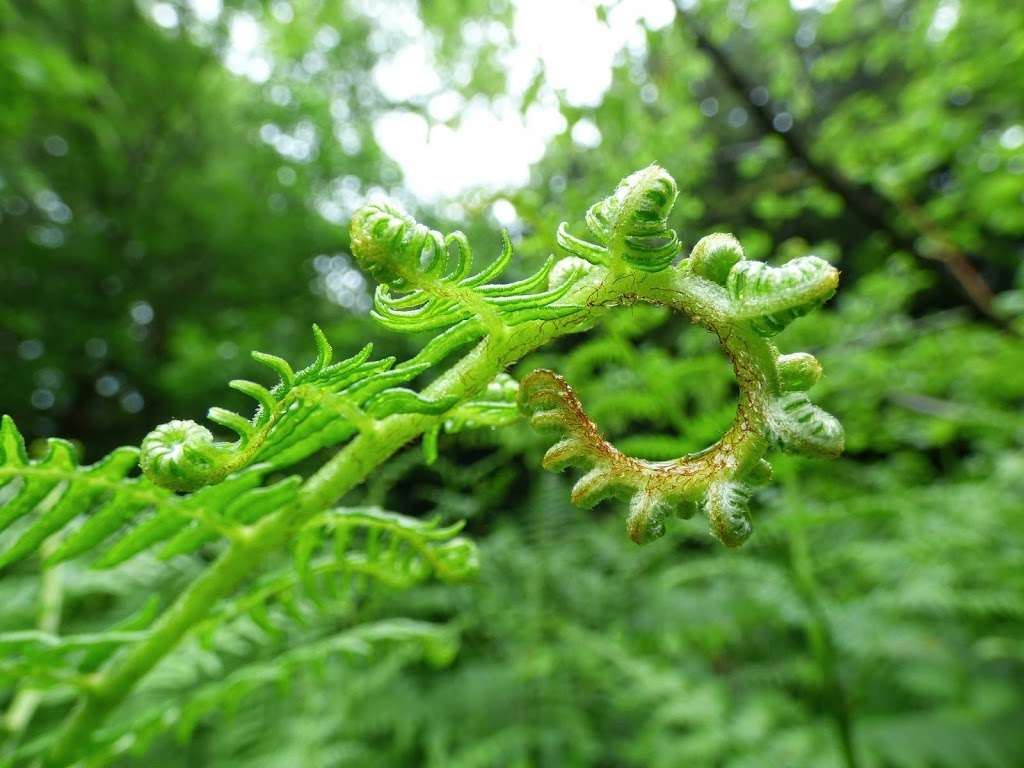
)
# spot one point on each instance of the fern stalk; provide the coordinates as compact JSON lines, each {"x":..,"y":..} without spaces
{"x":51,"y":600}
{"x":823,"y":647}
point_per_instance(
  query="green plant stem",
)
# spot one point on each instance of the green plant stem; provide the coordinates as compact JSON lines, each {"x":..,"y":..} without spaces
{"x":51,"y":601}
{"x":596,"y":294}
{"x":819,"y":635}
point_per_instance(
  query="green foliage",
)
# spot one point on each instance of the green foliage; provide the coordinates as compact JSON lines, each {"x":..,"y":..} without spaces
{"x":134,"y":735}
{"x":335,"y":557}
{"x":160,"y":213}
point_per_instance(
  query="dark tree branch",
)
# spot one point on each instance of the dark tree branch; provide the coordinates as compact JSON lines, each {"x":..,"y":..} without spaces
{"x":869,"y":204}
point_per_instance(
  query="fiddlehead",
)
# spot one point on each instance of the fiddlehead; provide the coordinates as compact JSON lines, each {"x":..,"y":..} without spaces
{"x":54,"y":491}
{"x":430,"y":275}
{"x":181,"y":455}
{"x":742,"y":302}
{"x":631,"y":225}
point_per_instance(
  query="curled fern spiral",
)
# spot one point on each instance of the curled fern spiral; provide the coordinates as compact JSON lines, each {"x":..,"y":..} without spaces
{"x":631,"y":225}
{"x":744,"y":303}
{"x":426,"y":280}
{"x":392,"y":246}
{"x":180,"y":455}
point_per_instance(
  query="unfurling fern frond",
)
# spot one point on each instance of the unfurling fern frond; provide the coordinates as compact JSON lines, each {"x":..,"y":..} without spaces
{"x":765,"y":298}
{"x":654,"y":489}
{"x":321,"y":405}
{"x":631,"y":225}
{"x":129,"y":514}
{"x":741,"y":302}
{"x":728,"y":510}
{"x":772,"y":297}
{"x":434,"y":288}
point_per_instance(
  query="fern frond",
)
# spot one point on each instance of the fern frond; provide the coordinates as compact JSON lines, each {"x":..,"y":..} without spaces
{"x":340,"y":545}
{"x":129,"y":514}
{"x":333,"y":554}
{"x":134,"y":732}
{"x":321,"y":405}
{"x":58,"y":490}
{"x":435,"y":288}
{"x":765,"y":297}
{"x":727,"y":506}
{"x":551,"y":404}
{"x":654,"y":489}
{"x":631,"y":225}
{"x":742,"y":302}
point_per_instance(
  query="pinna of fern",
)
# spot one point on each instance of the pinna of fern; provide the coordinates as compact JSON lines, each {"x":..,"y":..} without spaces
{"x":128,"y":514}
{"x":437,"y":289}
{"x":320,"y":405}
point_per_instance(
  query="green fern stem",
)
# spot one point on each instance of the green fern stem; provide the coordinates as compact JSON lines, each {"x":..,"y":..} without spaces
{"x":822,"y":643}
{"x":347,"y":469}
{"x":51,"y":601}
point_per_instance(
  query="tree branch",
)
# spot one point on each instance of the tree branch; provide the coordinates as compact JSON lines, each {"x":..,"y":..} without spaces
{"x":868,"y":203}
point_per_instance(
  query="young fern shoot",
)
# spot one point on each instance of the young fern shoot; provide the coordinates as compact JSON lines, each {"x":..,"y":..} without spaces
{"x":195,"y":489}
